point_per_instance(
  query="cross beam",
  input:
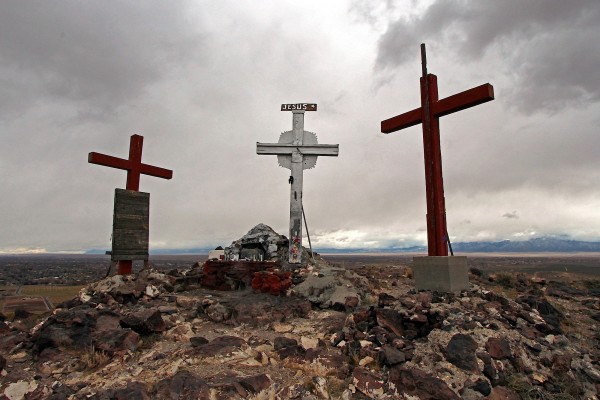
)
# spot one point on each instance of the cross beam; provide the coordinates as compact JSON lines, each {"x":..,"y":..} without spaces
{"x":428,"y":115}
{"x":306,"y":150}
{"x":134,"y":168}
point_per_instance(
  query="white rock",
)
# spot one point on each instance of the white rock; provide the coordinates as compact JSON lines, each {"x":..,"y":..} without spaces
{"x":18,"y":390}
{"x":366,"y":361}
{"x":309,"y":342}
{"x":152,"y":291}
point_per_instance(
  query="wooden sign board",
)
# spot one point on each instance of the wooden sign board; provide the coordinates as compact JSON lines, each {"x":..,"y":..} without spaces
{"x":299,"y":106}
{"x":131,"y":221}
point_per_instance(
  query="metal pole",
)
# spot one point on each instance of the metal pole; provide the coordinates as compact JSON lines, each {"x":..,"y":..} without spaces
{"x":307,"y":235}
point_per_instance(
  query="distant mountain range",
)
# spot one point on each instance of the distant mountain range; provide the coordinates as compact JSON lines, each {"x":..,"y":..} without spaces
{"x":537,"y":245}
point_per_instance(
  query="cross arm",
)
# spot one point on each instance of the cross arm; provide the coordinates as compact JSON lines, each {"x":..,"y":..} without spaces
{"x":402,"y":121}
{"x":120,"y":163}
{"x":467,"y":99}
{"x":156,"y":171}
{"x":108,"y":161}
{"x":287,"y":149}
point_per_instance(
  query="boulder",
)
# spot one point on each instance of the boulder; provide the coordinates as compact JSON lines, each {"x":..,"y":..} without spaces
{"x":144,"y":322}
{"x":221,"y":345}
{"x":369,"y":383}
{"x":183,"y":385}
{"x":461,"y":351}
{"x":416,"y":382}
{"x":262,"y":237}
{"x":498,"y":348}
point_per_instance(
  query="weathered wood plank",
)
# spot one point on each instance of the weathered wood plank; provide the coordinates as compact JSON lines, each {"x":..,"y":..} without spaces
{"x":130,"y":225}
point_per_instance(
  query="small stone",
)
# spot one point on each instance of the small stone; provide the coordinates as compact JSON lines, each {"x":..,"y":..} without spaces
{"x":198,"y":341}
{"x":282,"y":328}
{"x":282,"y":342}
{"x":351,"y":302}
{"x":498,"y":348}
{"x":418,"y":383}
{"x":367,"y":382}
{"x":309,"y":343}
{"x":385,"y":300}
{"x":366,"y":361}
{"x":391,"y":320}
{"x":503,"y":393}
{"x":390,"y":356}
{"x":256,"y":383}
{"x":152,"y":291}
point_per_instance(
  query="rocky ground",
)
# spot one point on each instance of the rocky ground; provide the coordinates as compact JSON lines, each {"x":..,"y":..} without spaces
{"x":338,"y":333}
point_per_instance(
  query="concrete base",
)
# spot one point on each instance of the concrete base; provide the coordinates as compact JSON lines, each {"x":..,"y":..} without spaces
{"x":442,"y":274}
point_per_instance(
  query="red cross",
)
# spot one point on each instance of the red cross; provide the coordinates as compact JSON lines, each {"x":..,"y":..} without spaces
{"x":133,"y":165}
{"x":134,"y":168}
{"x":428,"y":114}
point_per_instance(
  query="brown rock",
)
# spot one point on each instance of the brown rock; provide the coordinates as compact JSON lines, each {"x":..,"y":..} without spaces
{"x":281,"y":342}
{"x":133,"y":391}
{"x":292,"y":351}
{"x":503,"y":393}
{"x":418,"y":383}
{"x":182,"y":385}
{"x":391,"y":320}
{"x":368,"y":382}
{"x":461,"y":352}
{"x":425,"y":298}
{"x":351,"y":303}
{"x":561,"y":362}
{"x":198,"y":341}
{"x":117,"y":340}
{"x":221,"y":346}
{"x":144,"y":322}
{"x":389,"y":356}
{"x":385,"y":300}
{"x":498,"y":348}
{"x":256,"y":383}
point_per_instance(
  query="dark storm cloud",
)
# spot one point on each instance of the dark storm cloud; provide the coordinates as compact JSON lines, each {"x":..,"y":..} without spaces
{"x":103,"y":52}
{"x":511,"y":215}
{"x":549,"y":48}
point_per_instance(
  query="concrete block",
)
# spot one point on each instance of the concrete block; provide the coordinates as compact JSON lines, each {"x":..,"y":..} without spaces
{"x":443,"y":274}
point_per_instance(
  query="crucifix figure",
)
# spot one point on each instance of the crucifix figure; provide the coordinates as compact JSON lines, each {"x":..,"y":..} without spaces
{"x":134,"y":168}
{"x":297,"y":150}
{"x":428,"y":115}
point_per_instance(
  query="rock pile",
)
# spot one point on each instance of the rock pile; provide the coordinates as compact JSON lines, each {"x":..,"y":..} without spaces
{"x":363,"y":333}
{"x":261,"y":237}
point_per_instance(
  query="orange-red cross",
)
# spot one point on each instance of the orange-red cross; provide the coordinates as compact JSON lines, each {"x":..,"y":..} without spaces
{"x":428,"y":114}
{"x":134,"y":168}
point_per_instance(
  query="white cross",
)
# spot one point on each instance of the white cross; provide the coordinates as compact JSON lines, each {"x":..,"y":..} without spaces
{"x":297,"y":150}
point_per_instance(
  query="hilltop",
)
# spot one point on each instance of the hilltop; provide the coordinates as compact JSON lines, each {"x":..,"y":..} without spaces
{"x":350,"y":333}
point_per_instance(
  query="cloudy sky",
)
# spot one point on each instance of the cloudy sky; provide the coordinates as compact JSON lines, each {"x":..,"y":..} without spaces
{"x":203,"y":81}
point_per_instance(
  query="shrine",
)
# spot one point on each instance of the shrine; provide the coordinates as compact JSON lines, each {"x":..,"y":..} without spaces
{"x":437,"y":271}
{"x":297,"y":150}
{"x":131,"y":210}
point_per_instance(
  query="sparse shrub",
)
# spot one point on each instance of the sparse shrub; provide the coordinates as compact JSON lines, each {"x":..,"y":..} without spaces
{"x":507,"y":281}
{"x":148,"y":341}
{"x":93,"y":358}
{"x":592,"y":284}
{"x":408,"y":272}
{"x":476,"y":271}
